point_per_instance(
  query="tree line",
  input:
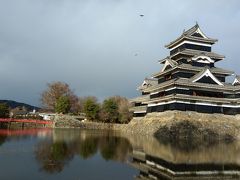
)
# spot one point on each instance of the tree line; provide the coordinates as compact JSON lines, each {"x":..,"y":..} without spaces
{"x":4,"y":110}
{"x":60,"y":98}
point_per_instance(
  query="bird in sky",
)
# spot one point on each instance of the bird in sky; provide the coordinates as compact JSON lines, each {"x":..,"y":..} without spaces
{"x":141,"y":15}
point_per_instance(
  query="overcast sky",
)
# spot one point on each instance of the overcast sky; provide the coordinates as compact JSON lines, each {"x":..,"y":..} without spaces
{"x":102,"y":47}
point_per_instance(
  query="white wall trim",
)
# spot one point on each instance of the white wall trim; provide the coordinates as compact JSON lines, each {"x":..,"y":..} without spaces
{"x":190,"y":42}
{"x":196,"y":103}
{"x":154,"y":93}
{"x":203,"y":59}
{"x":176,"y":88}
{"x":208,"y":73}
{"x":139,"y":112}
{"x":170,"y":89}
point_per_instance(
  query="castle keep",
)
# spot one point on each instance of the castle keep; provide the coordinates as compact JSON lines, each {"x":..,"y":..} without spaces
{"x":189,"y":80}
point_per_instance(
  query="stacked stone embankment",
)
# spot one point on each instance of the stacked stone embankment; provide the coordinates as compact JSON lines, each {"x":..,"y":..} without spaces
{"x":179,"y":125}
{"x":65,"y":121}
{"x":174,"y":124}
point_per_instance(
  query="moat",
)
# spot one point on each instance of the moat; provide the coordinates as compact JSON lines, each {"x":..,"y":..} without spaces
{"x":86,"y":154}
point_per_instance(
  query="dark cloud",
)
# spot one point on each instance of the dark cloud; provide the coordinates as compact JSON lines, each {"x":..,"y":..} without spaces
{"x":92,"y":44}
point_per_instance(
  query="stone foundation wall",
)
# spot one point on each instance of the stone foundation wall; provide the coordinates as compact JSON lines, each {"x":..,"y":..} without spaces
{"x":64,"y":121}
{"x":221,"y":125}
{"x":156,"y":124}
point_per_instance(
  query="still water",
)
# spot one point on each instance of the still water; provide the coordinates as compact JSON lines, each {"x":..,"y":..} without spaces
{"x":78,"y":154}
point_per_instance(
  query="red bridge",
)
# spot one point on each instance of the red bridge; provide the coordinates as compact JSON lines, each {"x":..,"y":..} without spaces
{"x":7,"y":120}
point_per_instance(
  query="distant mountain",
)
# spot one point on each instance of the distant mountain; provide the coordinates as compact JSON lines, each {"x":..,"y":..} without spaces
{"x":14,"y":104}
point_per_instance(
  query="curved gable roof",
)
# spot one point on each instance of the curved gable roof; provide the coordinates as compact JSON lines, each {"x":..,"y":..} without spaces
{"x":206,"y":73}
{"x":236,"y":80}
{"x":148,"y":82}
{"x":169,"y":62}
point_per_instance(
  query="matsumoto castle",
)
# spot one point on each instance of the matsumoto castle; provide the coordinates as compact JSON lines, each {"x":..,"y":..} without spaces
{"x":189,"y":80}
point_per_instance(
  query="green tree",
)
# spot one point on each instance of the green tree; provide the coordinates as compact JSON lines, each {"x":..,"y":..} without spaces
{"x":63,"y":105}
{"x":91,"y":108}
{"x":109,"y":111}
{"x":4,"y":110}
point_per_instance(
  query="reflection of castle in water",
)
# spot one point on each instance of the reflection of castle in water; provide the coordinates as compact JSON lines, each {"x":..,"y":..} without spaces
{"x":173,"y":163}
{"x":154,"y":158}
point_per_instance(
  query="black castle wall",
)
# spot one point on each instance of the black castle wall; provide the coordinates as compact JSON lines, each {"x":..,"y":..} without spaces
{"x":194,"y":107}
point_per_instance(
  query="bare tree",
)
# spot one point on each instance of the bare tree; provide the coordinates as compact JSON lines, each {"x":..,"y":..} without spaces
{"x":56,"y":90}
{"x":123,"y":109}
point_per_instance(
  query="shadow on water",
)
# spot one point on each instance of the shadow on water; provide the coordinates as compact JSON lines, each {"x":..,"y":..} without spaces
{"x":2,"y":139}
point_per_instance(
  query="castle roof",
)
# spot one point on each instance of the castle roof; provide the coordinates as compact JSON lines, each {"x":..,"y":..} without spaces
{"x":169,"y":62}
{"x":189,"y":67}
{"x":193,"y":34}
{"x":187,"y":83}
{"x":183,"y":97}
{"x":140,"y":98}
{"x":194,"y":53}
{"x":148,"y":82}
{"x":172,"y":62}
{"x":205,"y":73}
{"x":139,"y":109}
{"x":238,"y":77}
{"x":236,"y":80}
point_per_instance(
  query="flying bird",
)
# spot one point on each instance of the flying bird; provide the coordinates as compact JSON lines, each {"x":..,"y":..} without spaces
{"x":141,"y":15}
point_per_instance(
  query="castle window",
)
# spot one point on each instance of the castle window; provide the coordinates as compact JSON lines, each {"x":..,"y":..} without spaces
{"x":168,"y":77}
